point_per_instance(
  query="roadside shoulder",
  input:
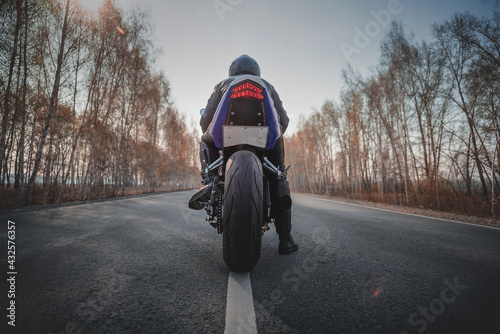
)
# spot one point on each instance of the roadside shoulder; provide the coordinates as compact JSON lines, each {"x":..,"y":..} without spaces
{"x":64,"y":204}
{"x":415,"y":211}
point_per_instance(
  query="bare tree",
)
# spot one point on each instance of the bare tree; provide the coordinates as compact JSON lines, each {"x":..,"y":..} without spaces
{"x":67,"y":21}
{"x":7,"y":94}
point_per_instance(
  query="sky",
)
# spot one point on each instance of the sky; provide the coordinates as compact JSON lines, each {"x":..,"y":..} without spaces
{"x":302,"y":46}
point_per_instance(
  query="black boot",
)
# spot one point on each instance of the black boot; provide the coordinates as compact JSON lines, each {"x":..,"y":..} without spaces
{"x":207,"y":156}
{"x":202,"y":195}
{"x":283,"y":224}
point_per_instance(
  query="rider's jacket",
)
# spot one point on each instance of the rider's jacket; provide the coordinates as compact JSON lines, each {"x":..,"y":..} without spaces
{"x":218,"y":93}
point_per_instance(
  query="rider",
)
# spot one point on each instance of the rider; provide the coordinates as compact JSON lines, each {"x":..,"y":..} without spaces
{"x":280,"y":190}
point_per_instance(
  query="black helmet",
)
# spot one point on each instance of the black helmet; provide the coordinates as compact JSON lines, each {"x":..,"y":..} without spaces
{"x":244,"y":65}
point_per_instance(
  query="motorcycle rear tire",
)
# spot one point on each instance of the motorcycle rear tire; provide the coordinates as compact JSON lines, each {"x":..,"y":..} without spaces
{"x":243,"y":211}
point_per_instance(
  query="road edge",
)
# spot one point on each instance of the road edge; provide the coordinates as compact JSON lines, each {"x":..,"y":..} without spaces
{"x":390,"y":208}
{"x":75,"y":203}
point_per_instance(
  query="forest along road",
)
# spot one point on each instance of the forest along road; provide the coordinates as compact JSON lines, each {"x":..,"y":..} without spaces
{"x":150,"y":265}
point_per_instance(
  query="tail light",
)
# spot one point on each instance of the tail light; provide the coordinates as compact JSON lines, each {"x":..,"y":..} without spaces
{"x":247,"y":90}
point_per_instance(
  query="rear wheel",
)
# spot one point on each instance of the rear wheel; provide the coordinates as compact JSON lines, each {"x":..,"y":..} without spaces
{"x":242,"y":211}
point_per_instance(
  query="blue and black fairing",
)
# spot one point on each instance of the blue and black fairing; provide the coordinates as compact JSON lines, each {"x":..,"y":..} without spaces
{"x":251,"y":112}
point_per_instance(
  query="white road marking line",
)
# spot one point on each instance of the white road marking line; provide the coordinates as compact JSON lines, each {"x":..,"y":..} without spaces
{"x":240,"y":312}
{"x":403,"y":213}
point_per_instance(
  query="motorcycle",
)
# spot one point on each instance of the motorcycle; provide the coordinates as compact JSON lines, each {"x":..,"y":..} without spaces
{"x":244,"y":127}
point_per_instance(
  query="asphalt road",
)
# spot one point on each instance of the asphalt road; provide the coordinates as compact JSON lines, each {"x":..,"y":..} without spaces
{"x":151,"y":265}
